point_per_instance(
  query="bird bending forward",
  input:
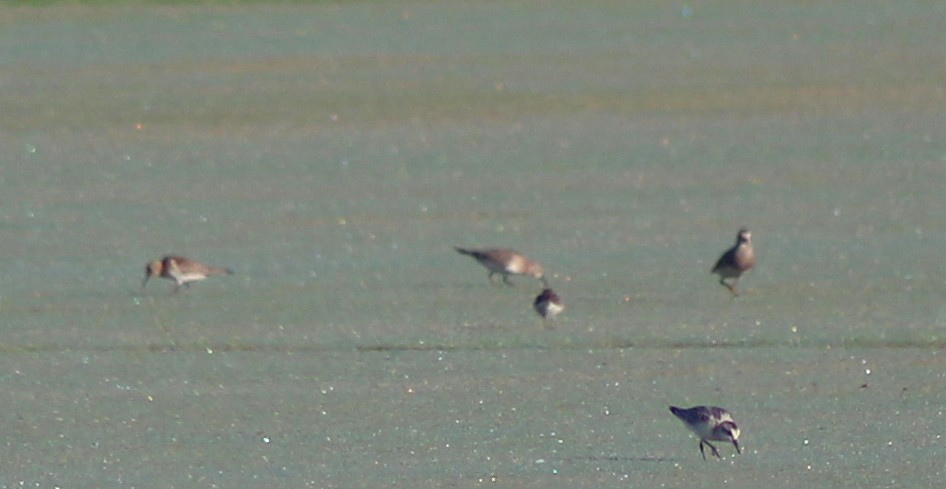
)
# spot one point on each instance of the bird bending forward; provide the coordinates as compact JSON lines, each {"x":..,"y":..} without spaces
{"x":709,"y":423}
{"x":506,"y":262}
{"x":181,"y":270}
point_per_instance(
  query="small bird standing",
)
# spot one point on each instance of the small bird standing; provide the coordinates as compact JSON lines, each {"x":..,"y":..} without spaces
{"x":548,"y":304}
{"x":736,"y":261}
{"x":506,"y":262}
{"x":181,"y":270}
{"x":709,"y":423}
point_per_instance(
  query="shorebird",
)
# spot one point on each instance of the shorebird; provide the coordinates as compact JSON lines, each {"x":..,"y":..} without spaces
{"x":735,"y":261}
{"x":548,"y":304}
{"x":709,"y":423}
{"x":506,"y":262}
{"x":181,"y":270}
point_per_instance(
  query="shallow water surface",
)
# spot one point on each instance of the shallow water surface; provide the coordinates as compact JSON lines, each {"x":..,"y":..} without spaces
{"x":332,"y":155}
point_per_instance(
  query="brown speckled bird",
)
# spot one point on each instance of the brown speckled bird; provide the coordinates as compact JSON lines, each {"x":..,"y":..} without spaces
{"x":736,"y":261}
{"x":506,"y":262}
{"x":548,"y":304}
{"x":181,"y":270}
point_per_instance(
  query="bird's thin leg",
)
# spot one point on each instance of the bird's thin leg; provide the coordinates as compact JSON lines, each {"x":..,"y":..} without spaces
{"x":701,"y":450}
{"x":491,"y":277}
{"x":730,"y":286}
{"x":715,"y":451}
{"x":506,"y":279}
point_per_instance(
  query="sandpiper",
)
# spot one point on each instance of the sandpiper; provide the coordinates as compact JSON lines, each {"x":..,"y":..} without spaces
{"x":709,"y":423}
{"x":506,"y":262}
{"x":735,"y":261}
{"x":181,"y":270}
{"x":548,"y":304}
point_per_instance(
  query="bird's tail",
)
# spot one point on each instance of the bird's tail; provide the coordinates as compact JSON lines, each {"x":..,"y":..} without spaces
{"x":464,"y":251}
